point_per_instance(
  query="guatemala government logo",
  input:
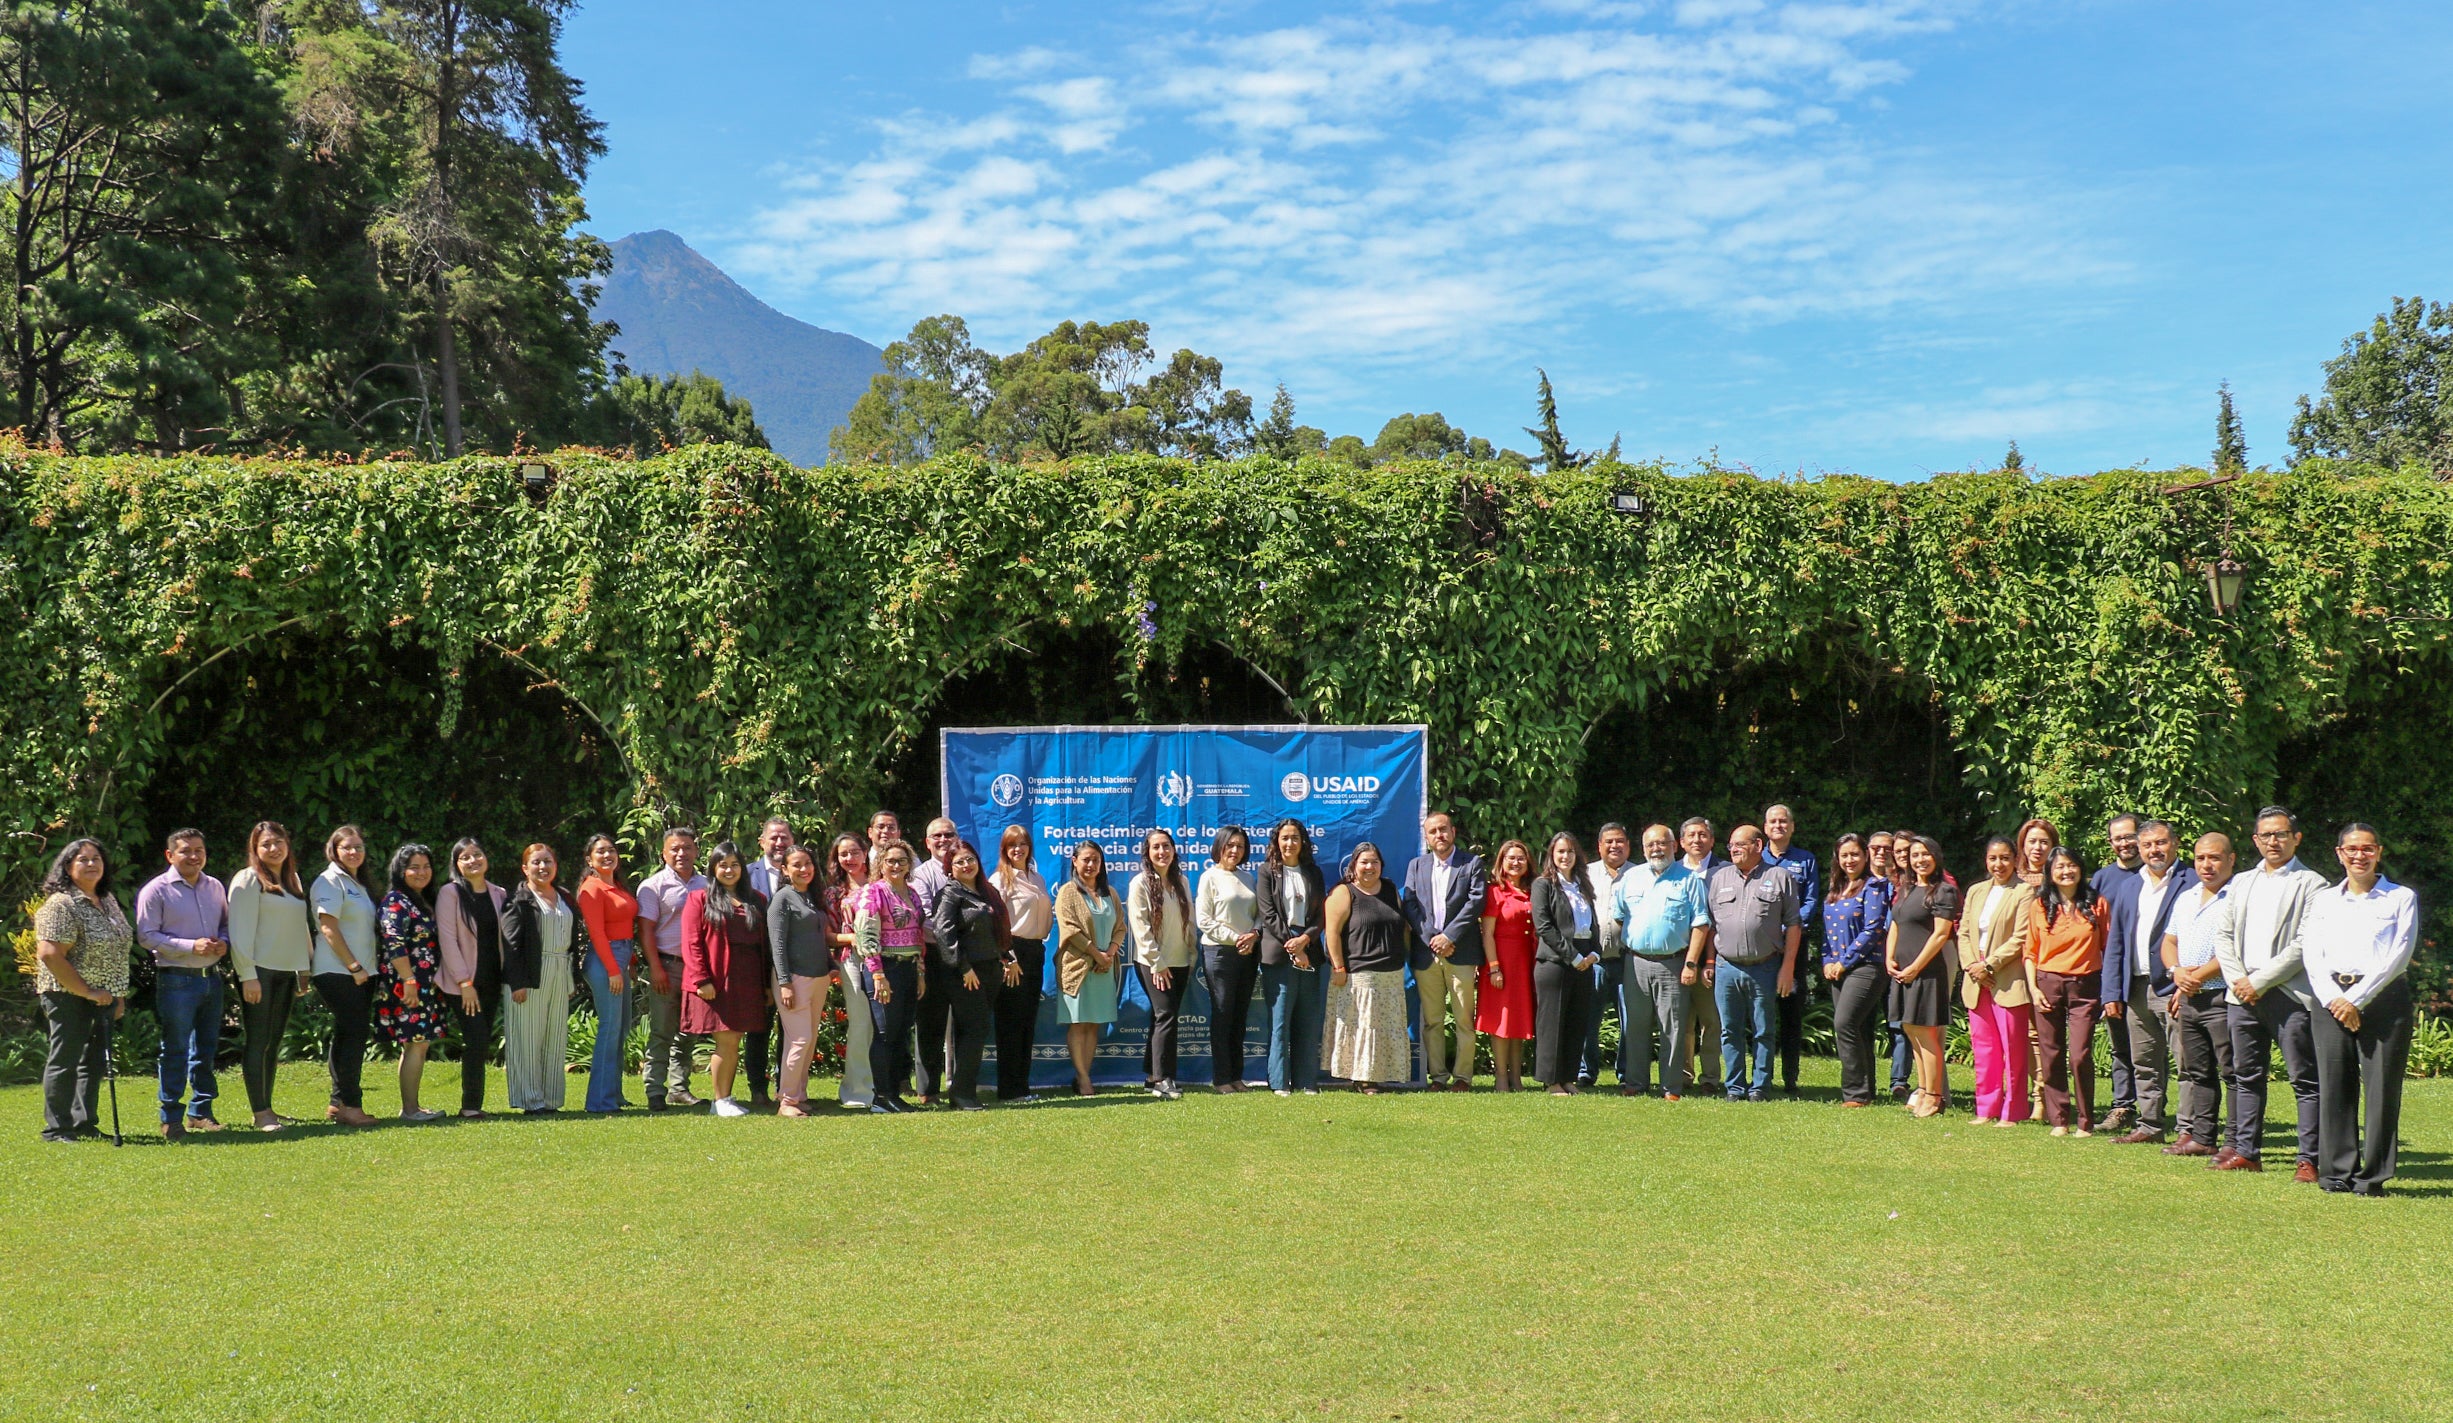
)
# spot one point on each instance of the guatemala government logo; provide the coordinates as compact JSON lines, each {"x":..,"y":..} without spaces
{"x":1174,"y":788}
{"x":1006,"y":790}
{"x":1297,"y":787}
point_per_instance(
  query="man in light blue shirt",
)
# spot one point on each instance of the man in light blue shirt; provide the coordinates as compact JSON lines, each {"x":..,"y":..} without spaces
{"x":1660,"y":911}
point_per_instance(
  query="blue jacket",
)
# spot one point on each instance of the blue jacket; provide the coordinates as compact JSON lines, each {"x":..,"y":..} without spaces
{"x":2127,"y":943}
{"x":1460,"y":918}
{"x":1800,"y":861}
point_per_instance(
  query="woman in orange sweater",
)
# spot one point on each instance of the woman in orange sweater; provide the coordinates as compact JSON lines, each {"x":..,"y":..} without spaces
{"x":2065,"y":947}
{"x":612,"y":914}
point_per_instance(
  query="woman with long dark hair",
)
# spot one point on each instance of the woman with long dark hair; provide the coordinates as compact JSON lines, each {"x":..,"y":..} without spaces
{"x":970,"y":960}
{"x":847,"y":874}
{"x":1159,"y":904}
{"x":1567,"y":943}
{"x":345,"y":966}
{"x":2065,"y":949}
{"x":410,"y":1013}
{"x":1090,"y":940}
{"x":1292,"y":899}
{"x":1368,"y":942}
{"x":272,"y":949}
{"x":468,"y":920}
{"x":611,"y":912}
{"x":724,"y":955}
{"x":1029,"y":914}
{"x":1503,"y":1000}
{"x":542,"y":932}
{"x":1226,"y":911}
{"x":1856,"y":914}
{"x":81,"y":948}
{"x":1921,"y":924}
{"x":799,"y":943}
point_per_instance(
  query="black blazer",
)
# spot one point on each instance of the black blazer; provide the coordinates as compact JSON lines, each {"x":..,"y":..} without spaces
{"x":1554,"y":926}
{"x":1275,"y":930}
{"x":523,"y":935}
{"x":970,"y":928}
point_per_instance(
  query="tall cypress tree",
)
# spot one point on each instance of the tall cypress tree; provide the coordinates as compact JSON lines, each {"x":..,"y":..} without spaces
{"x":2231,"y":447}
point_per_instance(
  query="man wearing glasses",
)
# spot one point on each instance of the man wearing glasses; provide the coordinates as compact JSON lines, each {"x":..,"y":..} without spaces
{"x":2356,"y":939}
{"x":2270,"y":1001}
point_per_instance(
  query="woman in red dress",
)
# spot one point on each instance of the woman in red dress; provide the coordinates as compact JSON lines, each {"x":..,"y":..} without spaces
{"x":724,"y":967}
{"x":1503,"y":1006}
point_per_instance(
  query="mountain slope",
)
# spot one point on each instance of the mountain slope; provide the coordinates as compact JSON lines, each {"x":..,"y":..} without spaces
{"x":679,"y":312}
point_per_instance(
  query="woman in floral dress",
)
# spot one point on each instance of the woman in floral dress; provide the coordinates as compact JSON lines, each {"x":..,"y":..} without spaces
{"x":410,"y":1011}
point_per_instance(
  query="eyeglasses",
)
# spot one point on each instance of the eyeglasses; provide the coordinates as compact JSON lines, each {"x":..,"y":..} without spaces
{"x":2358,"y":849}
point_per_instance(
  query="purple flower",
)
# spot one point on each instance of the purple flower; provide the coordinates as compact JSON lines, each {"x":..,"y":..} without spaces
{"x":1148,"y":622}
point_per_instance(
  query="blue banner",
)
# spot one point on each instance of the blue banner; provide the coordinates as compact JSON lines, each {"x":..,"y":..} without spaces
{"x":1113,"y":784}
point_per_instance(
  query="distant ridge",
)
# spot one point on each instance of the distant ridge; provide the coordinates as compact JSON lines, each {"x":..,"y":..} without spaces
{"x":679,"y":312}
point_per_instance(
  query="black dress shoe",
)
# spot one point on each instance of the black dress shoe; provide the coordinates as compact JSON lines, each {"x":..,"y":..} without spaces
{"x":968,"y":1104}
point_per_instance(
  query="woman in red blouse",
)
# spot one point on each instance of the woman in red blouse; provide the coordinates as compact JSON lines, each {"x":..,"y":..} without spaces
{"x":1503,"y":1007}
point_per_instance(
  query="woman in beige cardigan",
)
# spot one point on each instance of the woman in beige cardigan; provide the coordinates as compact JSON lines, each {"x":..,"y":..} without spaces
{"x":1995,"y":987}
{"x":1090,"y":931}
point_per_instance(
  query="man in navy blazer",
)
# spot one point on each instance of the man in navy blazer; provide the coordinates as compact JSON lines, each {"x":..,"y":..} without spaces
{"x":1442,"y":899}
{"x":2137,"y":987}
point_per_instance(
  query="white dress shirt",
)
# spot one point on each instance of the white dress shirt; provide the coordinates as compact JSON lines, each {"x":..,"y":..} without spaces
{"x":2151,"y":892}
{"x":2365,"y":939}
{"x":2195,"y":921}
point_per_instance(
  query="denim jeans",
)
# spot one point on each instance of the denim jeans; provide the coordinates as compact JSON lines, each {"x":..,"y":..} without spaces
{"x":189,"y":1007}
{"x":1297,"y":1000}
{"x":612,"y":1026}
{"x":1748,"y":996}
{"x":1609,"y":990}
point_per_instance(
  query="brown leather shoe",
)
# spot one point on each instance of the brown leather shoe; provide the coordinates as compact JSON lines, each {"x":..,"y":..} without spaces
{"x":2224,"y":1156}
{"x":2143,"y":1136}
{"x":2307,"y":1174}
{"x":2236,"y":1162}
{"x":2188,"y":1146}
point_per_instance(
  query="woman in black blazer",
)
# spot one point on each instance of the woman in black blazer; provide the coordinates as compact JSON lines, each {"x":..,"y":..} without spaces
{"x":1566,"y":945}
{"x":1294,"y":965}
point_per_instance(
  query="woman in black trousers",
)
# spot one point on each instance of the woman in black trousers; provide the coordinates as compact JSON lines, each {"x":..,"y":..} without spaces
{"x":1029,"y":914}
{"x":1856,"y":917}
{"x":1566,"y":945}
{"x":968,"y":965}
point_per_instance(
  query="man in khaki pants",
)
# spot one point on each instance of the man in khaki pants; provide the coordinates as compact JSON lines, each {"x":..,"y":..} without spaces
{"x":1442,"y":900}
{"x":1703,"y":1015}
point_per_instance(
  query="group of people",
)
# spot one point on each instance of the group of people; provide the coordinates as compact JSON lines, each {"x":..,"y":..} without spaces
{"x":1366,"y":976}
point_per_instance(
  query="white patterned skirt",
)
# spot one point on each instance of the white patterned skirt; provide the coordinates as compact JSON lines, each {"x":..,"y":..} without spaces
{"x":1366,"y":1041}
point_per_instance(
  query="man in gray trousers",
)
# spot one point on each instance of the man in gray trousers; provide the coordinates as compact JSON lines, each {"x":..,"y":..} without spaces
{"x":2270,"y":1002}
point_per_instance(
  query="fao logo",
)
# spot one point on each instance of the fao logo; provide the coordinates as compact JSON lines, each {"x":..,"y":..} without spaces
{"x":1174,"y":789}
{"x":1006,"y":791}
{"x":1297,"y":787}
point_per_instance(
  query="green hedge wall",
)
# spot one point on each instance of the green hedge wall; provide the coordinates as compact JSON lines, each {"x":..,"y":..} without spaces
{"x":735,"y":635}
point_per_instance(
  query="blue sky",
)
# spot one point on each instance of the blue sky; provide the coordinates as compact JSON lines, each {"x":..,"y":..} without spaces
{"x":1881,"y":236}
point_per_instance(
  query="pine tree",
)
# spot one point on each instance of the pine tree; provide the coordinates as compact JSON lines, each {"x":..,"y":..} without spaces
{"x":2231,"y":447}
{"x":1275,"y":436}
{"x":2014,"y":462}
{"x":1555,"y":455}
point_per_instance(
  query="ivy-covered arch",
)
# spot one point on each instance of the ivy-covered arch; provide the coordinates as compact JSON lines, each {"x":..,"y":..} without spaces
{"x":755,"y":637}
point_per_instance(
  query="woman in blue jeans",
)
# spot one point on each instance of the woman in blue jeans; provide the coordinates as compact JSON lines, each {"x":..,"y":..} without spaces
{"x":1294,"y":966}
{"x":612,"y":915}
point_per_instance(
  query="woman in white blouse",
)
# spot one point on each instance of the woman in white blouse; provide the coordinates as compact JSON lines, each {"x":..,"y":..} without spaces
{"x":540,"y":928}
{"x":346,"y":961}
{"x":272,"y":938}
{"x":1227,"y":912}
{"x":1159,"y":906}
{"x":1029,"y":914}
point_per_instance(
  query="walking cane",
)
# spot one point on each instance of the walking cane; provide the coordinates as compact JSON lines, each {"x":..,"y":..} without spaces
{"x":110,"y":1073}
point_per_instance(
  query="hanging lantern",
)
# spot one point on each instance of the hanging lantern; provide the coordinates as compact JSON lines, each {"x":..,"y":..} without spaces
{"x":2225,"y":580}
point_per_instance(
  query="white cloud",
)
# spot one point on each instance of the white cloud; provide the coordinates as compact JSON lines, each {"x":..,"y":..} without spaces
{"x":1380,"y":190}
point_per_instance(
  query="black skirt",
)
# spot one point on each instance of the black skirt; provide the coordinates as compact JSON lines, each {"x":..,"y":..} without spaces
{"x":1923,"y":1001}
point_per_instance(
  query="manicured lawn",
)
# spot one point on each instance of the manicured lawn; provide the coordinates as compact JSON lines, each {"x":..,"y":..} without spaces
{"x":1424,"y":1257}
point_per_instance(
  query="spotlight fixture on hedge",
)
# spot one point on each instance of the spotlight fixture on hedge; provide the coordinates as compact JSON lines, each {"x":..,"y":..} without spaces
{"x":1627,"y":501}
{"x":537,"y":478}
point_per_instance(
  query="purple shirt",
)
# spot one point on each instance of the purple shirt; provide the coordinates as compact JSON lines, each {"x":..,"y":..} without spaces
{"x":661,"y":896}
{"x":171,"y":915}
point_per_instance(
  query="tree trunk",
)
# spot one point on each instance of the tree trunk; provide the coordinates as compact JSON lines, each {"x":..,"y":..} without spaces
{"x":447,"y":365}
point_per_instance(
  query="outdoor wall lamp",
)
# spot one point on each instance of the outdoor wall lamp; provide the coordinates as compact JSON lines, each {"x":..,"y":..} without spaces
{"x":537,"y":479}
{"x":1627,"y":501}
{"x":2226,"y":577}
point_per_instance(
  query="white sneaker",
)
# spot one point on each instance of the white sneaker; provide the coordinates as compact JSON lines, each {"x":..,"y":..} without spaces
{"x":727,"y":1107}
{"x":1283,"y":1092}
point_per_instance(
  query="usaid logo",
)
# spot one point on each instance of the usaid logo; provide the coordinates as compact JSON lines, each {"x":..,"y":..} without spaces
{"x":1299,"y":787}
{"x":1296,"y":787}
{"x":1174,"y":789}
{"x":1006,"y":791}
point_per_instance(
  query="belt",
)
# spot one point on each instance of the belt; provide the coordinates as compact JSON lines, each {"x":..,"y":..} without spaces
{"x":1669,"y":954}
{"x":174,"y":971}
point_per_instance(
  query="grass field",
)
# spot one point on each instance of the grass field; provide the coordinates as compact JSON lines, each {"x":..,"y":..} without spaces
{"x":1422,"y":1257}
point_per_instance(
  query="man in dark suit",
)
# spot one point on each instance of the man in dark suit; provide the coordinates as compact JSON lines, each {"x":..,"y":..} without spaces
{"x":2137,"y":986}
{"x":1442,"y":899}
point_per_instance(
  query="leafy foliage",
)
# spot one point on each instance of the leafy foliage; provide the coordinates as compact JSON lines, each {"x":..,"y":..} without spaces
{"x":2389,"y":396}
{"x":651,"y":414}
{"x":2231,"y":446}
{"x":1980,"y":646}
